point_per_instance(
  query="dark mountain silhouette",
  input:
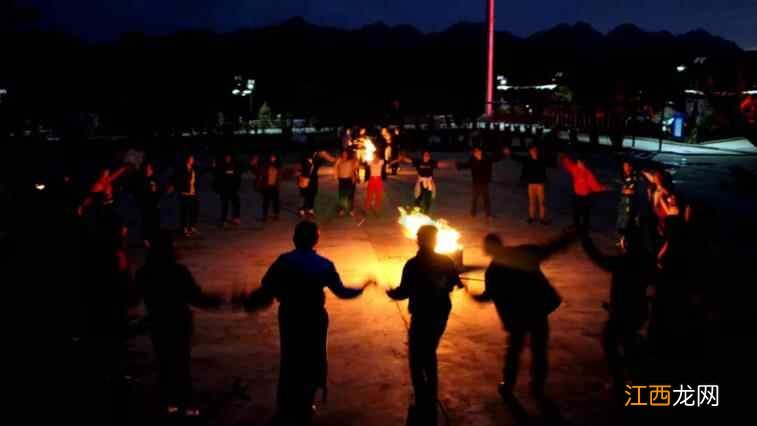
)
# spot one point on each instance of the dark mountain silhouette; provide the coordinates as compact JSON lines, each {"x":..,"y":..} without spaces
{"x":307,"y":69}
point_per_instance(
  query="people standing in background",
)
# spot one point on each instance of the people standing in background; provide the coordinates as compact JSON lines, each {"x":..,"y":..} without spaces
{"x":227,"y":182}
{"x":185,"y":181}
{"x":384,"y":149}
{"x":425,"y":186}
{"x":308,"y":179}
{"x":267,"y":182}
{"x":585,"y":185}
{"x":394,"y":153}
{"x":481,"y":171}
{"x":628,"y":207}
{"x":149,"y":195}
{"x":346,"y":169}
{"x":534,"y":176}
{"x":375,"y":189}
{"x":346,"y":138}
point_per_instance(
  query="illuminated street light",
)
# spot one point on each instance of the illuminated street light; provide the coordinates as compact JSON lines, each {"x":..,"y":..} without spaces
{"x":681,"y":68}
{"x":235,"y":92}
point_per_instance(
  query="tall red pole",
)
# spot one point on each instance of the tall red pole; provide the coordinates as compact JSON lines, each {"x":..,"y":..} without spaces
{"x":489,"y":57}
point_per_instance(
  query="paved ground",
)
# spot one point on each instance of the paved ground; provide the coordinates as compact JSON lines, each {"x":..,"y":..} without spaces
{"x":369,"y":380}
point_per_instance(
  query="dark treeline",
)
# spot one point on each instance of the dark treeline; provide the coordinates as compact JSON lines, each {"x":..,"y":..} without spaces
{"x":140,"y":82}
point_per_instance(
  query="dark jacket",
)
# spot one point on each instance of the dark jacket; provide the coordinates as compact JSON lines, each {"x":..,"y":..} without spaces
{"x":534,"y":171}
{"x":517,"y":286}
{"x":149,"y":191}
{"x":427,"y":280}
{"x":226,"y":178}
{"x":481,"y":170}
{"x":169,"y":289}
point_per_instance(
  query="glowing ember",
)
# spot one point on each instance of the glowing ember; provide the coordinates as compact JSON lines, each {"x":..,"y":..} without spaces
{"x":367,"y":149}
{"x":446,"y":239}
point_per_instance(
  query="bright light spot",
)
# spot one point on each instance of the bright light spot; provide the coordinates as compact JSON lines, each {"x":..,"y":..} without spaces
{"x":694,"y":92}
{"x":681,"y":68}
{"x":447,"y":239}
{"x":235,"y":92}
{"x":750,"y":92}
{"x":367,"y":149}
{"x":40,"y":186}
{"x":537,"y":87}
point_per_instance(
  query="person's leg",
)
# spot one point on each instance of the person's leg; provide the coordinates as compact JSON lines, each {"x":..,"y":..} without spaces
{"x":267,"y":199}
{"x":476,"y":193}
{"x":351,"y":198}
{"x":539,"y":366}
{"x":416,"y":360}
{"x":432,"y":373}
{"x":235,"y":204}
{"x":184,"y":212}
{"x":342,"y":204}
{"x":379,"y":191}
{"x":586,"y":213}
{"x":612,"y":353}
{"x":487,"y":200}
{"x":532,"y":201}
{"x":276,"y":202}
{"x":225,"y":200}
{"x":369,"y":193}
{"x":540,"y":203}
{"x":195,"y":211}
{"x":310,"y":199}
{"x":427,"y":197}
{"x":515,"y":341}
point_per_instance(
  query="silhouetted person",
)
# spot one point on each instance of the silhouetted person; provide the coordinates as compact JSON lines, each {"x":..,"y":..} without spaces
{"x":628,"y":206}
{"x":524,"y":298}
{"x":296,"y":279}
{"x":534,"y":175}
{"x":105,"y":279}
{"x":585,"y":185}
{"x":427,"y":280}
{"x":149,"y":195}
{"x":169,"y":289}
{"x":627,"y":309}
{"x":308,"y":180}
{"x":227,"y":182}
{"x":673,"y":284}
{"x":481,"y":172}
{"x":185,"y":181}
{"x":268,"y":181}
{"x":425,"y":187}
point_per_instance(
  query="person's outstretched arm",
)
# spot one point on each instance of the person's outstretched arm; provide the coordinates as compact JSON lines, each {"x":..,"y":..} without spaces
{"x":328,"y":157}
{"x":334,"y":283}
{"x":401,"y":292}
{"x":556,"y":245}
{"x":263,"y":297}
{"x":117,"y":174}
{"x":197,"y":297}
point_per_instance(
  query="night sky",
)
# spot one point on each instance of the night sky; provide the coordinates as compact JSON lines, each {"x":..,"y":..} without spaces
{"x":99,"y":20}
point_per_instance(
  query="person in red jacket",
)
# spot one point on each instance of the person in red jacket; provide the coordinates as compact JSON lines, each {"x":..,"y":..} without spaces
{"x":585,"y":184}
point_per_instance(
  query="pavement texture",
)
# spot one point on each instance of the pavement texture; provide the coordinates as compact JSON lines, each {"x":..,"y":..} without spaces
{"x":368,"y":373}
